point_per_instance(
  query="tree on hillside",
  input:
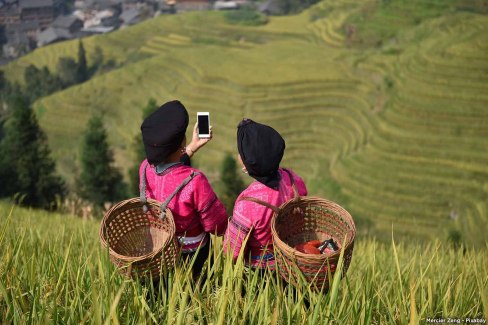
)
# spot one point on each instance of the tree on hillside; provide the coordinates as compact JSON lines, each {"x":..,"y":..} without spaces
{"x":246,"y":15}
{"x":293,"y":6}
{"x":99,"y":181}
{"x":67,"y":71}
{"x":26,"y":168}
{"x":4,"y":86}
{"x":3,"y":81}
{"x":138,"y":149}
{"x":231,"y":180}
{"x":97,"y":60}
{"x":3,"y":36}
{"x":40,"y":82}
{"x":82,"y":73}
{"x":8,"y":91}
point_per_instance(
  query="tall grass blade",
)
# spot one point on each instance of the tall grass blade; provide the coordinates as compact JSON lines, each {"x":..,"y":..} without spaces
{"x":65,"y":263}
{"x":112,"y":316}
{"x":397,"y":265}
{"x":336,"y":282}
{"x":413,"y":308}
{"x":5,"y":226}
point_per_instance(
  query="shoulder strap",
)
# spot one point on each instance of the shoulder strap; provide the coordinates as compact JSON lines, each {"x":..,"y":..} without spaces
{"x":295,"y":190}
{"x":266,"y":204}
{"x":142,"y":193}
{"x":164,"y":205}
{"x":183,"y":184}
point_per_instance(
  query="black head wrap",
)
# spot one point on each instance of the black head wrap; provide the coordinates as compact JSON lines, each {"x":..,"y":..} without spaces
{"x":261,"y":148}
{"x":163,"y":131}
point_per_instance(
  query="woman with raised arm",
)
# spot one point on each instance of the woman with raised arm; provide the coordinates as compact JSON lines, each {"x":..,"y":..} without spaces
{"x":261,"y":149}
{"x":196,"y":209}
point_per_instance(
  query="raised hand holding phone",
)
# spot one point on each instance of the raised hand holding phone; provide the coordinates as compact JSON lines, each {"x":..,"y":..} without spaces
{"x":203,"y":120}
{"x":197,"y":141}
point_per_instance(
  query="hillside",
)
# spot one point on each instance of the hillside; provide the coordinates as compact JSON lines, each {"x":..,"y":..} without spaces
{"x":389,"y":122}
{"x":54,"y":270}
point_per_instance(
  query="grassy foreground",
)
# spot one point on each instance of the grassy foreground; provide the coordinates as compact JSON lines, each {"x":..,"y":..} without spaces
{"x":53,"y":269}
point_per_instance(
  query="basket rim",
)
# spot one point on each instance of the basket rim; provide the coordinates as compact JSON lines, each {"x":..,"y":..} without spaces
{"x":281,"y":245}
{"x":131,"y":259}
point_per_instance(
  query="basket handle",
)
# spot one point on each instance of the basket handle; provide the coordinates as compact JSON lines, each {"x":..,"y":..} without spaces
{"x":183,"y":184}
{"x":295,"y":190}
{"x":266,"y":204}
{"x":143,"y":188}
{"x":272,"y":207}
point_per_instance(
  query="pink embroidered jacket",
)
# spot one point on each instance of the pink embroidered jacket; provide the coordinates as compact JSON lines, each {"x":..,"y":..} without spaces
{"x":196,"y":208}
{"x":254,"y":218}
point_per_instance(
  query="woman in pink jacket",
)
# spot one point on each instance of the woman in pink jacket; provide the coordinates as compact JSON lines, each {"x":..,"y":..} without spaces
{"x":196,"y":209}
{"x":260,"y":149}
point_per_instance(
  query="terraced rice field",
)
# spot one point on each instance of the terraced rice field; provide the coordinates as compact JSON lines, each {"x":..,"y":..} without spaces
{"x":426,"y":164}
{"x":397,"y":133}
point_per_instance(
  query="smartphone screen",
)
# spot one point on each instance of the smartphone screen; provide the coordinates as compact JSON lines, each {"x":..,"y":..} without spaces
{"x":203,"y":124}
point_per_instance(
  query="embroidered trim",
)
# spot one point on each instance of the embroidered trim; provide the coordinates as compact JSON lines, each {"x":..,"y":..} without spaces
{"x":265,"y":257}
{"x":191,"y":250}
{"x":192,"y":240}
{"x":211,"y":202}
{"x":239,"y":226}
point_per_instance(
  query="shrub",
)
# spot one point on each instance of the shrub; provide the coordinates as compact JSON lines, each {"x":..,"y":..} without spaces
{"x":246,"y":16}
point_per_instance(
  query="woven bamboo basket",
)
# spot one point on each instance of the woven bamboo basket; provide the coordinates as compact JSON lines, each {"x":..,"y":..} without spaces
{"x":141,"y":243}
{"x":309,"y":218}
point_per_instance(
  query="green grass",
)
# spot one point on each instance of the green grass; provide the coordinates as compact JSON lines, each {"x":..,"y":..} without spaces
{"x":53,"y":269}
{"x":394,"y":132}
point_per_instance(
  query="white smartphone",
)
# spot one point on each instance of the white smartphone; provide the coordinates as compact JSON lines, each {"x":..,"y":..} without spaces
{"x":203,"y":124}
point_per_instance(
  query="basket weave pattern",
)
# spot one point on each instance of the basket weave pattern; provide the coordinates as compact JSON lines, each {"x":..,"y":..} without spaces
{"x":139,"y":243}
{"x":309,"y":218}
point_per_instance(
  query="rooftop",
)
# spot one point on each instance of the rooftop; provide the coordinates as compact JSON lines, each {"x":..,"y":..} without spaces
{"x":28,"y":4}
{"x":10,"y":10}
{"x":102,"y":4}
{"x":97,"y":29}
{"x":270,"y":6}
{"x":223,"y":5}
{"x":128,"y":15}
{"x":64,"y":21}
{"x":53,"y":34}
{"x":22,"y":26}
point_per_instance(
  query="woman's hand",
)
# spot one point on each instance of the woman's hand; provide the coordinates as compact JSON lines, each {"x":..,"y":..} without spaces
{"x":196,"y":142}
